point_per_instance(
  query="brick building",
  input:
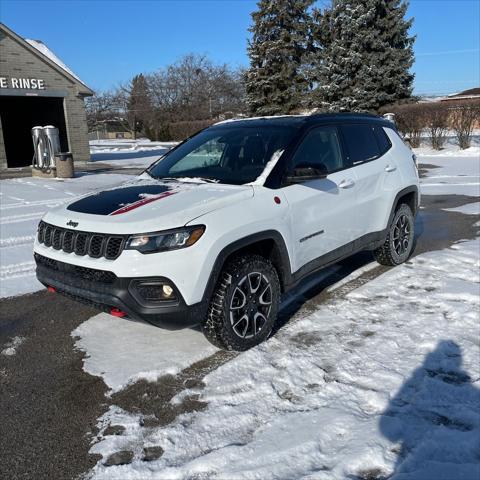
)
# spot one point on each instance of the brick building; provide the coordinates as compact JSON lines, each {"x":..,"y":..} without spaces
{"x":36,"y":88}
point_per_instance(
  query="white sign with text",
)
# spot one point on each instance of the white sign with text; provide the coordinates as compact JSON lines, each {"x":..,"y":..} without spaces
{"x":25,"y":83}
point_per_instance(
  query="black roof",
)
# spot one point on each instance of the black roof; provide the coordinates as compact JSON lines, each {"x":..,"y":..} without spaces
{"x":471,"y":91}
{"x":302,"y":120}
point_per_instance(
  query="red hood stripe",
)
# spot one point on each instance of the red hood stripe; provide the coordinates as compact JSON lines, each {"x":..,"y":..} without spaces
{"x":141,"y":202}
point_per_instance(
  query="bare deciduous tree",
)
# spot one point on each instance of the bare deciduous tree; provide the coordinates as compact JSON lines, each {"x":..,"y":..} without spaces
{"x":411,"y":120}
{"x":463,"y":118}
{"x":192,"y":92}
{"x":173,"y":102}
{"x":100,"y":107}
{"x":436,"y":116}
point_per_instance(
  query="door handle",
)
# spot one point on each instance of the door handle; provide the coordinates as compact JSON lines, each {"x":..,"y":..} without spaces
{"x":347,"y":183}
{"x":390,"y":168}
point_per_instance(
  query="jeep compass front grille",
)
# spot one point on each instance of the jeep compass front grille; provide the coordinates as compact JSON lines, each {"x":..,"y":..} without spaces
{"x":94,"y":245}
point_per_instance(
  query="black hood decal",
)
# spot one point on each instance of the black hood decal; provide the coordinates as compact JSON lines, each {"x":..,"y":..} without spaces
{"x":120,"y":200}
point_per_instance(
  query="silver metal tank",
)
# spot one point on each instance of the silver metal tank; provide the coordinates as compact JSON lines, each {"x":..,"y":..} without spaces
{"x":53,"y":144}
{"x":39,"y":147}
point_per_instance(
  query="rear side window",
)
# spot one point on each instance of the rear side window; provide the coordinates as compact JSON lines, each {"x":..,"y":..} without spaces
{"x":383,"y":141}
{"x":361,"y":143}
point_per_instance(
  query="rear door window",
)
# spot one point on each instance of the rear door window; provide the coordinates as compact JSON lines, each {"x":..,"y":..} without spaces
{"x":383,"y":141}
{"x":361,"y":143}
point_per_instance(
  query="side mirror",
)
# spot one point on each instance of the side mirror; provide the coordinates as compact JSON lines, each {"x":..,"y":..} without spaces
{"x":303,"y":173}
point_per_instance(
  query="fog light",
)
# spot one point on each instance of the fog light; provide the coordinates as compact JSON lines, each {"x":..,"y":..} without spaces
{"x":167,"y":290}
{"x":153,"y":291}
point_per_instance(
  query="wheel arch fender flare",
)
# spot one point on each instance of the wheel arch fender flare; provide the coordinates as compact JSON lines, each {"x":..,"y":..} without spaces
{"x":413,"y":189}
{"x":279,"y":257}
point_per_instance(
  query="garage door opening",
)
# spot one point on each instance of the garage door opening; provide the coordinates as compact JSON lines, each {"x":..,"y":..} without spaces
{"x":19,"y":115}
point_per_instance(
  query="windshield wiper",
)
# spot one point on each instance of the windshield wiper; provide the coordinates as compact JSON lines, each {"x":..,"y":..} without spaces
{"x":203,"y":179}
{"x":206,"y":179}
{"x":179,"y":179}
{"x":168,"y":179}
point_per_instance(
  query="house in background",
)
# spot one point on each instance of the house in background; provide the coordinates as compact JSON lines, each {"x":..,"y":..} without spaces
{"x":110,"y":130}
{"x":473,"y":94}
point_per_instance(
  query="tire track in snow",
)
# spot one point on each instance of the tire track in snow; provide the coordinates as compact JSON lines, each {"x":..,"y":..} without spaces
{"x":51,"y":203}
{"x":16,"y":270}
{"x":16,"y":241}
{"x":21,"y":218}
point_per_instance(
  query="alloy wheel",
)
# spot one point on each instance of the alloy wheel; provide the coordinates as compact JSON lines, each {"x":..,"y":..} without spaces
{"x":250,"y":305}
{"x":402,"y":234}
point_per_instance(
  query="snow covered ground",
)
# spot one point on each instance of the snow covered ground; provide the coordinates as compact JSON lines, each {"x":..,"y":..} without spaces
{"x":128,"y":153}
{"x":160,"y":352}
{"x":452,"y":175}
{"x":23,"y":201}
{"x":359,"y":389}
{"x":450,"y":147}
{"x":453,"y":171}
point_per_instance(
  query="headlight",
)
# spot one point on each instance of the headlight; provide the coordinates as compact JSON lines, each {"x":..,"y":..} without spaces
{"x":163,"y":241}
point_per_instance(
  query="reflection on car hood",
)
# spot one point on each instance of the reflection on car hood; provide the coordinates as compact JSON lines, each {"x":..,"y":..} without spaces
{"x":147,"y":205}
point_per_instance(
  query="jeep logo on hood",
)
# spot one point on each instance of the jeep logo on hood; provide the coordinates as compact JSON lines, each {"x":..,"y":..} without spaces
{"x":71,"y":223}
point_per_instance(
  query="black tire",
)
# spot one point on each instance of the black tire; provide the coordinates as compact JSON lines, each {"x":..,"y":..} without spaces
{"x":400,"y":239}
{"x":245,"y":301}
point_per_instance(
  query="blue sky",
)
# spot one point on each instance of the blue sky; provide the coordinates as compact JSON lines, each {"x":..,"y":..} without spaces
{"x":107,"y":42}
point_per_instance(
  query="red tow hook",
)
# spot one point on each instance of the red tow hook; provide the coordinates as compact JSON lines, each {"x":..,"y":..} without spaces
{"x":52,"y":289}
{"x":116,"y":312}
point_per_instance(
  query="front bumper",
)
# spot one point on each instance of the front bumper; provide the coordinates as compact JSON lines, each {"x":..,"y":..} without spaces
{"x":104,"y":290}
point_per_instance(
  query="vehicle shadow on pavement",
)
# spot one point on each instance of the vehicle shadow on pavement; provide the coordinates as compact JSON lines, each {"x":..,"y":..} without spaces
{"x":434,"y":419}
{"x":314,"y":289}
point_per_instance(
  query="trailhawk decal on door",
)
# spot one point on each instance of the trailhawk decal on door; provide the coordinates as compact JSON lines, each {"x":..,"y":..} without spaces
{"x":121,"y":200}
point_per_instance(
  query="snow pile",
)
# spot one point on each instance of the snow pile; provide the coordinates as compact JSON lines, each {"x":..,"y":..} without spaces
{"x":23,"y":201}
{"x":11,"y":347}
{"x":469,"y":209}
{"x":384,"y":381}
{"x":110,"y":342}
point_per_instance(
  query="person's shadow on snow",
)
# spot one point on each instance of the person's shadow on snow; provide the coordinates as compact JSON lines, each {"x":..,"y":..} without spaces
{"x":435,"y":420}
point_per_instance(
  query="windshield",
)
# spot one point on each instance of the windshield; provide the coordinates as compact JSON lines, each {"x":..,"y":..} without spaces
{"x":234,"y":155}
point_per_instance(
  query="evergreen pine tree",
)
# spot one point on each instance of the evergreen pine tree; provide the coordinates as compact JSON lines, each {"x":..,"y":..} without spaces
{"x":275,"y":81}
{"x":366,"y":56}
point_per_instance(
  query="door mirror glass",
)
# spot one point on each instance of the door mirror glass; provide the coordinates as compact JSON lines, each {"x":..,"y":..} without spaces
{"x":305,"y":172}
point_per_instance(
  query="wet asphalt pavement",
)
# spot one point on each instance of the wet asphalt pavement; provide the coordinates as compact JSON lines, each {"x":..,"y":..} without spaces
{"x":49,"y":406}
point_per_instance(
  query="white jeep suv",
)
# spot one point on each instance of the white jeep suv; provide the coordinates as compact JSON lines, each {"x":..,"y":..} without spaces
{"x":215,"y":231}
